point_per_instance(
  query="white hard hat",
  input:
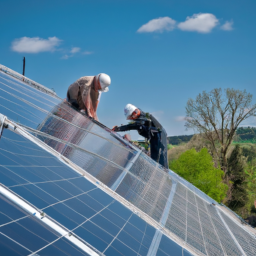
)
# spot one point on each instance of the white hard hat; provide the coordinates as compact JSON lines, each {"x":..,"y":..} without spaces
{"x":128,"y":110}
{"x":104,"y":81}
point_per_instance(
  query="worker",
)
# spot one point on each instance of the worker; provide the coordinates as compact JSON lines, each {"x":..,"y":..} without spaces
{"x":84,"y":94}
{"x":148,"y":127}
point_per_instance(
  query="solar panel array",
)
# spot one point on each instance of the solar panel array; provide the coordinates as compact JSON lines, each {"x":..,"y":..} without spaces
{"x":106,"y":193}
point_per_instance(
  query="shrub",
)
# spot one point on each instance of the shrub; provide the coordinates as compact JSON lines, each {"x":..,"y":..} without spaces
{"x":198,"y":168}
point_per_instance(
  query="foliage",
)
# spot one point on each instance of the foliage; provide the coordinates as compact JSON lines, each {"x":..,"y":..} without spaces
{"x":249,"y":153}
{"x":169,"y":146}
{"x":238,"y":196}
{"x":176,"y":140}
{"x":217,"y":116}
{"x":198,"y":168}
{"x":245,"y":135}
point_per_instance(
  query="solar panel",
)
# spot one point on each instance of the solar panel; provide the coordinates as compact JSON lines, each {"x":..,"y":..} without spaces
{"x":98,"y":189}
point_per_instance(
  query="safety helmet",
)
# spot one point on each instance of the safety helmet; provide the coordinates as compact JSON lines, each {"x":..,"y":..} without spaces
{"x":104,"y":81}
{"x":131,"y":112}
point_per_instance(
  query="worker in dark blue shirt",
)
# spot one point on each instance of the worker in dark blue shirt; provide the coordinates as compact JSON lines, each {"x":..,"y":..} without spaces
{"x":148,"y":127}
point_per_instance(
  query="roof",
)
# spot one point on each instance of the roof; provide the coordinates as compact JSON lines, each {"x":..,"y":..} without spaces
{"x":71,"y":186}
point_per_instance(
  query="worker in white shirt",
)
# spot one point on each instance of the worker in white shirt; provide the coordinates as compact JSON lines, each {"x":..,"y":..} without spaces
{"x":84,"y":94}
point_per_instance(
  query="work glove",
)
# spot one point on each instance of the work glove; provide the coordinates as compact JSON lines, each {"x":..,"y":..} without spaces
{"x":114,"y":128}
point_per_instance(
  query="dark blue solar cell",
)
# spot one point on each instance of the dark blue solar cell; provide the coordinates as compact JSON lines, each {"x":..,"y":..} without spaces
{"x":27,"y":174}
{"x":23,"y":91}
{"x":111,"y":227}
{"x":17,"y":160}
{"x":143,"y":251}
{"x":9,"y":209}
{"x":101,"y":197}
{"x":22,"y":147}
{"x":46,"y":161}
{"x":98,"y":231}
{"x":69,"y":187}
{"x":62,"y":247}
{"x":94,"y":239}
{"x":49,"y":173}
{"x":130,"y":240}
{"x":9,"y":178}
{"x":125,"y":250}
{"x":29,"y":232}
{"x":89,"y":200}
{"x":115,"y":217}
{"x":81,"y":207}
{"x":146,"y":241}
{"x":35,"y":226}
{"x":82,"y":184}
{"x":113,"y":252}
{"x":131,"y":229}
{"x":7,"y":160}
{"x":53,"y":189}
{"x":64,"y":215}
{"x":64,"y":171}
{"x":169,"y":247}
{"x":138,"y":223}
{"x":10,"y":248}
{"x":23,"y":234}
{"x":118,"y":207}
{"x":35,"y":195}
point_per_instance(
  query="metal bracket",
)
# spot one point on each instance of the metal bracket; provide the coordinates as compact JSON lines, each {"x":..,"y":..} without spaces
{"x":2,"y":123}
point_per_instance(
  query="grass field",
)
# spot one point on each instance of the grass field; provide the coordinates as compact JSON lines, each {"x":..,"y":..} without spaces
{"x":253,"y":141}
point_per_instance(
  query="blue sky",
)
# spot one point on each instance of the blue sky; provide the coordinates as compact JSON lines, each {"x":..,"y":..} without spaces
{"x":157,"y":53}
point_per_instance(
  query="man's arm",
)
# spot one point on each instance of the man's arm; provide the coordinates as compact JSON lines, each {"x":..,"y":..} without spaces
{"x":127,"y":127}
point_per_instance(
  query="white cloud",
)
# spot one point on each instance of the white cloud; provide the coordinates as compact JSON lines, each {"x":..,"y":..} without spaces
{"x":65,"y":57}
{"x":227,"y":26}
{"x":75,"y":50}
{"x":182,"y":118}
{"x":158,"y":25}
{"x":87,"y":53}
{"x":201,"y":22}
{"x":35,"y":44}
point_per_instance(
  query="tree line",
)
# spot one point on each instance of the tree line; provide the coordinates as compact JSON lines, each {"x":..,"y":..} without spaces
{"x":243,"y":134}
{"x":225,"y":172}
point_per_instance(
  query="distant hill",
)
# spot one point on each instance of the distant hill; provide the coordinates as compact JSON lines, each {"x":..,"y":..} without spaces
{"x":176,"y":140}
{"x":243,"y":135}
{"x":246,"y":134}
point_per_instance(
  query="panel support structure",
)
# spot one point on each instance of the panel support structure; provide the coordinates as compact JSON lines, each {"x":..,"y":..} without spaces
{"x":231,"y":234}
{"x":2,"y":120}
{"x":27,"y":80}
{"x":158,"y":235}
{"x":46,"y":220}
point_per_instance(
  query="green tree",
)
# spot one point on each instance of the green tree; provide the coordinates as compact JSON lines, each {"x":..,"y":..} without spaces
{"x":217,"y":115}
{"x":250,"y":153}
{"x":250,"y":171}
{"x":198,"y":168}
{"x":236,"y":175}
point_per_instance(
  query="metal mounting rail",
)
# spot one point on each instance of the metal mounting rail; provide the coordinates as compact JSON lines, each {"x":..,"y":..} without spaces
{"x":2,"y":120}
{"x":31,"y":210}
{"x":27,"y":80}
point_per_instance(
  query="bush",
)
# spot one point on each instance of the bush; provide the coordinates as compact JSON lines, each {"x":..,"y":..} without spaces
{"x":198,"y":168}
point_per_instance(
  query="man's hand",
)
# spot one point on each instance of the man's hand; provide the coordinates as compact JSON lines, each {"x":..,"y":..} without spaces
{"x":65,"y":101}
{"x":114,"y":128}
